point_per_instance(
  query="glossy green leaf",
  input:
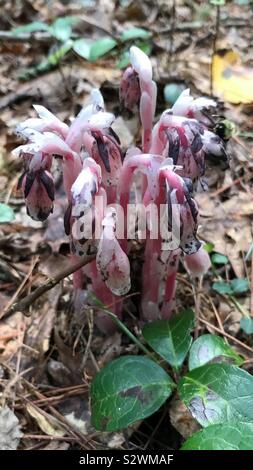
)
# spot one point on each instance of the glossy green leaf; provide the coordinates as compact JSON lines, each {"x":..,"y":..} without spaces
{"x":217,"y":393}
{"x":218,"y":258}
{"x":33,"y":27}
{"x":6,"y":213}
{"x":227,"y":436}
{"x":62,"y":27}
{"x":239,"y":286}
{"x":124,"y":59}
{"x":222,"y":287}
{"x":82,"y":47}
{"x":101,"y":47}
{"x":93,"y":50}
{"x":171,"y":338}
{"x":247,"y":325}
{"x":218,"y":3}
{"x":135,"y":33}
{"x":126,"y":390}
{"x":212,"y":348}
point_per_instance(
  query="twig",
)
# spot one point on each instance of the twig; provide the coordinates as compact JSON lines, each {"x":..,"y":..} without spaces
{"x":88,"y":344}
{"x":49,"y":284}
{"x":126,"y":331}
{"x":197,"y":299}
{"x":7,"y":308}
{"x":42,"y":437}
{"x":245,"y":346}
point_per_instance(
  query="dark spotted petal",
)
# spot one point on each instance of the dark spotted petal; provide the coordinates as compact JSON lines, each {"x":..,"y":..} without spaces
{"x":196,"y":144}
{"x":169,"y":205}
{"x":48,"y":184}
{"x":30,"y":177}
{"x":189,"y":185}
{"x":66,"y":219}
{"x":114,"y":135}
{"x":174,"y":146}
{"x":192,"y":206}
{"x":103,"y":151}
{"x":20,"y":180}
{"x":191,"y":246}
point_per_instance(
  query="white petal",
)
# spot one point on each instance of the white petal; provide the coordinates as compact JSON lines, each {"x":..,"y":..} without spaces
{"x":141,"y":63}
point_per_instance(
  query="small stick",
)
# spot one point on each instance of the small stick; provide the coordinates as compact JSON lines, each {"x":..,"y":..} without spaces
{"x":9,"y":305}
{"x":245,"y":346}
{"x":49,"y":284}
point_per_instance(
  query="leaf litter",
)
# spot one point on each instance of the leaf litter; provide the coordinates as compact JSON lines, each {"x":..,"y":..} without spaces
{"x":47,"y":348}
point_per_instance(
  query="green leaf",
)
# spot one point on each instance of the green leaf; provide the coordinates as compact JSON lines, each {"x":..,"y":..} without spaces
{"x":209,"y":247}
{"x":218,"y":258}
{"x":31,"y":28}
{"x":55,"y":57}
{"x":93,"y":50}
{"x":247,"y":325}
{"x":217,"y":393}
{"x":62,"y":27}
{"x":171,"y":338}
{"x":135,"y":33}
{"x":218,"y":3}
{"x":6,"y":213}
{"x":82,"y":47}
{"x":126,"y":390}
{"x":227,"y":436}
{"x":124,"y":59}
{"x":213,"y":348}
{"x":222,"y":287}
{"x":101,"y":47}
{"x":239,"y":286}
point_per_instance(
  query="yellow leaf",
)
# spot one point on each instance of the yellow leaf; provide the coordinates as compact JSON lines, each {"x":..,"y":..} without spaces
{"x":232,"y":81}
{"x":48,"y":425}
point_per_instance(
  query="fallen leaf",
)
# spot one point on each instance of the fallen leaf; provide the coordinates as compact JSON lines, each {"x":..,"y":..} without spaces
{"x":181,"y":419}
{"x":232,"y":81}
{"x":48,"y":424}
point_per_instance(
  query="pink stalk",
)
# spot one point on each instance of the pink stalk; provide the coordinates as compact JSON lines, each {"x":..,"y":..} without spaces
{"x":170,"y":284}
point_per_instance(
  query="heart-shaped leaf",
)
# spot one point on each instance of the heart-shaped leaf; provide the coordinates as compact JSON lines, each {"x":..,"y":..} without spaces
{"x":216,"y":393}
{"x":213,"y":348}
{"x":227,"y":436}
{"x":126,"y":390}
{"x":171,"y":338}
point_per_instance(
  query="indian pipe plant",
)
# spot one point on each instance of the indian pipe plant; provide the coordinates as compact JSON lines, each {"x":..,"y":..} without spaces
{"x":101,"y":183}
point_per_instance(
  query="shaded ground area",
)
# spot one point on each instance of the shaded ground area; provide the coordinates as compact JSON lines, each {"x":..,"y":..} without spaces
{"x":49,"y":358}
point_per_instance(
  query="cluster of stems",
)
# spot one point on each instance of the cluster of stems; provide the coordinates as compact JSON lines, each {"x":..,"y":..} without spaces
{"x":101,"y":183}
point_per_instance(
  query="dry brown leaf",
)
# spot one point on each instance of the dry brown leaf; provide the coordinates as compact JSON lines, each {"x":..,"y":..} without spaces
{"x":49,"y":425}
{"x":182,"y":419}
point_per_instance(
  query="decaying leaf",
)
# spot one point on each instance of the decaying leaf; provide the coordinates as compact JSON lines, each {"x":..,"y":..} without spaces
{"x":48,"y":424}
{"x":232,"y":81}
{"x":10,"y":433}
{"x":182,"y":419}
